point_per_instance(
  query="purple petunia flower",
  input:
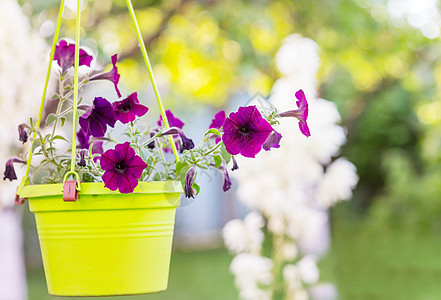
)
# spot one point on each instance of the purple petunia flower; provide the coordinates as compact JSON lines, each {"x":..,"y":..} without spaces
{"x":22,"y":133}
{"x":65,"y":56}
{"x":128,"y":109}
{"x":172,"y":120}
{"x":245,"y":132}
{"x":9,"y":170}
{"x":272,"y":141}
{"x":187,"y":143}
{"x":112,"y":75}
{"x":189,"y":179}
{"x":122,"y":168}
{"x":301,"y":114}
{"x":218,"y":120}
{"x":217,"y":123}
{"x":95,"y":120}
{"x":82,"y":162}
{"x":227,"y":180}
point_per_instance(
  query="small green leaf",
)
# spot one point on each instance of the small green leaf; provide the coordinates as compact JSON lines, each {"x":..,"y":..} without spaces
{"x":179,"y":165}
{"x":63,"y":120}
{"x":217,"y":161}
{"x":50,"y":119}
{"x":196,"y":187}
{"x":59,"y":137}
{"x":225,"y":154}
{"x":182,"y":175}
{"x":35,"y":145}
{"x":213,"y":131}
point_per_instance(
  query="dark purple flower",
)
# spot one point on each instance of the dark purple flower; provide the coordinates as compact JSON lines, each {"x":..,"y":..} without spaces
{"x":95,"y":120}
{"x":218,"y":120}
{"x":9,"y":170}
{"x":83,"y":154}
{"x":217,"y":123}
{"x":245,"y":132}
{"x":187,"y":143}
{"x":65,"y":55}
{"x":112,"y":75}
{"x":227,"y":180}
{"x":128,"y":109}
{"x":272,"y":141}
{"x":189,"y":179}
{"x":122,"y":168}
{"x":301,"y":114}
{"x":172,"y":120}
{"x":22,"y":133}
{"x":235,"y":165}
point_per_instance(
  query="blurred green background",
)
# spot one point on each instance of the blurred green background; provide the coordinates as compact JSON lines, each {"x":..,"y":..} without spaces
{"x":383,"y":72}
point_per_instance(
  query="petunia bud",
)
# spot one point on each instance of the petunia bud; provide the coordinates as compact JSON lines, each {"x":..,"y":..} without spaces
{"x":187,"y":143}
{"x":82,"y":162}
{"x":9,"y":170}
{"x":22,"y":133}
{"x":235,"y":165}
{"x":189,"y":179}
{"x":227,"y":180}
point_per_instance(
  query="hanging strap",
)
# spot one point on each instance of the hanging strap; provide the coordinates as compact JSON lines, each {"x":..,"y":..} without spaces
{"x":25,"y":180}
{"x":152,"y":78}
{"x":75,"y":101}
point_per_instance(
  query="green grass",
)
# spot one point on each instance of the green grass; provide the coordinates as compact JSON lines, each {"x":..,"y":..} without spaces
{"x":193,"y":276}
{"x":364,"y":263}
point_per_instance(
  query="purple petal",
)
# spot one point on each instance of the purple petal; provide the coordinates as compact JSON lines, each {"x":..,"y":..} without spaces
{"x":272,"y":141}
{"x":218,"y":120}
{"x":127,"y":184}
{"x":95,"y":120}
{"x":83,"y":139}
{"x":172,"y":120}
{"x":109,"y":159}
{"x":136,"y":166}
{"x":111,"y":179}
{"x":304,"y":128}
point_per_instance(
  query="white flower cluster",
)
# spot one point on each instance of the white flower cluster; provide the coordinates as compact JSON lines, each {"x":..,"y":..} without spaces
{"x":292,"y":186}
{"x":23,"y":59}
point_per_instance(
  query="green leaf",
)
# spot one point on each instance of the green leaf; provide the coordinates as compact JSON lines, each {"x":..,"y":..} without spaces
{"x":59,"y":137}
{"x":179,"y":165}
{"x":63,"y":120}
{"x":35,"y":145}
{"x":182,"y":174}
{"x":196,"y":187}
{"x":50,"y":119}
{"x":225,"y":154}
{"x":217,"y":161}
{"x":213,"y":131}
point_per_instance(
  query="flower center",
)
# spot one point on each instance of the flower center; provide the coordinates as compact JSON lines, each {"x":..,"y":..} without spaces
{"x":244,"y":130}
{"x":120,"y":167}
{"x":126,"y":107}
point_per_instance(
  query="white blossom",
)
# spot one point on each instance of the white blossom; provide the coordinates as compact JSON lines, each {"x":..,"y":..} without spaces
{"x":308,"y":270}
{"x":244,"y":235}
{"x":337,"y":184}
{"x":251,"y":271}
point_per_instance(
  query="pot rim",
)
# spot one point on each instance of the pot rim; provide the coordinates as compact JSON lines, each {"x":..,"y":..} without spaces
{"x":97,"y":188}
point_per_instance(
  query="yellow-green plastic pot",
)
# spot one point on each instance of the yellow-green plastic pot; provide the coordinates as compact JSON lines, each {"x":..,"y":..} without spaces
{"x":106,"y":243}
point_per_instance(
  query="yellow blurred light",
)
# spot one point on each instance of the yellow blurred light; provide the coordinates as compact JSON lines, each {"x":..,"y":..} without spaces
{"x":262,"y":38}
{"x":260,"y":83}
{"x":430,"y":113}
{"x":232,"y":50}
{"x":194,"y":80}
{"x":208,"y":31}
{"x":395,"y":66}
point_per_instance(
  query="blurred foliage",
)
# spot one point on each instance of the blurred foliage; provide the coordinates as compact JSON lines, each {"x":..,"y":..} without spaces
{"x":384,"y":75}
